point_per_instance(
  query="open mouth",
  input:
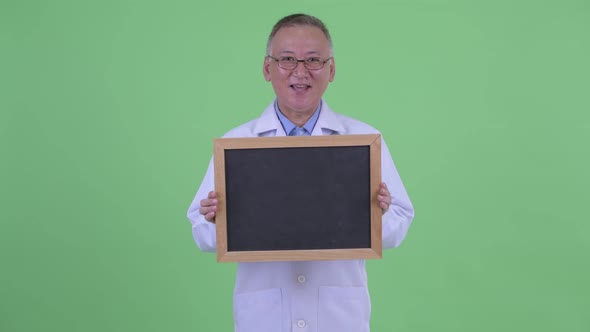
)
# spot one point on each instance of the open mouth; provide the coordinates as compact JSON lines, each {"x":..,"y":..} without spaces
{"x":300,"y":87}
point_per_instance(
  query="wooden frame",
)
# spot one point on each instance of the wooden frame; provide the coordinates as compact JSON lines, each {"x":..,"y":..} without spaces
{"x":223,"y":146}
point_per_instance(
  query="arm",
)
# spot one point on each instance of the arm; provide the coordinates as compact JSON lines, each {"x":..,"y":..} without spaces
{"x":204,"y":231}
{"x":398,"y":215}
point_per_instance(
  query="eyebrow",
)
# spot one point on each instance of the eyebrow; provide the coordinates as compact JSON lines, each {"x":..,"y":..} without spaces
{"x":306,"y":54}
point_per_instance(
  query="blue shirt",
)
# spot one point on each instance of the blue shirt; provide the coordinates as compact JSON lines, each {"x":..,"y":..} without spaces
{"x":289,"y":126}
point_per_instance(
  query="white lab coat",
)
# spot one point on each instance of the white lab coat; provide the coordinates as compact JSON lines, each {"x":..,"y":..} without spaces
{"x":308,"y":296}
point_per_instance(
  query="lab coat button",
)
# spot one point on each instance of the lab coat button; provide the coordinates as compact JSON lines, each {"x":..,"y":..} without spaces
{"x":301,"y":278}
{"x":301,"y":323}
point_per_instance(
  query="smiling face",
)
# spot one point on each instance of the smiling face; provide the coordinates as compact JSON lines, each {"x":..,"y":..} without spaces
{"x":299,"y":90}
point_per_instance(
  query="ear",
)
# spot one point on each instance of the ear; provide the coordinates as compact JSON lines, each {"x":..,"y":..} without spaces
{"x":266,"y":69}
{"x":332,"y":69}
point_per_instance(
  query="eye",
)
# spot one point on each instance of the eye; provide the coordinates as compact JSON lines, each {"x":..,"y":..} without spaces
{"x":313,"y":60}
{"x":287,"y":59}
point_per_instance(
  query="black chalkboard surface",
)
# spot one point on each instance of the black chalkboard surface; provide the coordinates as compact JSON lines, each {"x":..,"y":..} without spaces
{"x":298,"y":198}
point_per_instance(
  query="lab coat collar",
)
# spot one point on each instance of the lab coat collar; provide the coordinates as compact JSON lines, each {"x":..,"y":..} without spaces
{"x":328,"y":122}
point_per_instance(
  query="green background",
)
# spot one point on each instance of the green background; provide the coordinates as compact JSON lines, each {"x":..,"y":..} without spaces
{"x":109,"y":109}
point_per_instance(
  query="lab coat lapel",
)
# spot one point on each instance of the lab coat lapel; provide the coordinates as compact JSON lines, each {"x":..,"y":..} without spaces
{"x":328,"y":122}
{"x":268,"y":122}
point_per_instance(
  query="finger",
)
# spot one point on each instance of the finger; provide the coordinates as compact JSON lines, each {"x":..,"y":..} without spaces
{"x":208,"y":212}
{"x":207,"y":209}
{"x":385,"y":198}
{"x":210,"y":217}
{"x":208,"y":202}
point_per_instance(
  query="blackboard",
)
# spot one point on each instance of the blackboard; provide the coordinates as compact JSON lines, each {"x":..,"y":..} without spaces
{"x":298,"y":198}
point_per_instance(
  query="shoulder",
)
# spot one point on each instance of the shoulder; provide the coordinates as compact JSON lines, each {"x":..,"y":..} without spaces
{"x":267,"y":121}
{"x":354,"y":126}
{"x":244,"y":130}
{"x":346,"y":125}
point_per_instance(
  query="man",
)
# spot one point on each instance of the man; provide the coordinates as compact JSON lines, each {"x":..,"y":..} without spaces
{"x":314,"y":296}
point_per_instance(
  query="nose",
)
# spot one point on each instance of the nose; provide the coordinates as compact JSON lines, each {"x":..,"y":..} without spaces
{"x":300,"y":70}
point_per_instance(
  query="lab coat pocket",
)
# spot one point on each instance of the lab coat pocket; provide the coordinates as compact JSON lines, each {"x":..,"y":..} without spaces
{"x":258,"y":311}
{"x":344,"y":309}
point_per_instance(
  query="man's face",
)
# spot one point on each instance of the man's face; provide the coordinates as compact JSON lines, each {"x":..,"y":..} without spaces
{"x":299,"y":90}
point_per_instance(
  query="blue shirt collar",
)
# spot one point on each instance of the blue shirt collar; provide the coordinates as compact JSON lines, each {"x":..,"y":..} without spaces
{"x":288,"y":125}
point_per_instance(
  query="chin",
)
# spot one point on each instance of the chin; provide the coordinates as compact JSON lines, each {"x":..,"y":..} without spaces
{"x":305,"y":104}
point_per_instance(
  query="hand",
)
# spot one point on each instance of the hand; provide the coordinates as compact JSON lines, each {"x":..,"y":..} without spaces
{"x":384,"y":197}
{"x":209,"y":207}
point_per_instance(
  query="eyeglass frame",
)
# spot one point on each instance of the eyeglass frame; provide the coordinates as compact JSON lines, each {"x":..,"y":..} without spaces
{"x":297,"y":61}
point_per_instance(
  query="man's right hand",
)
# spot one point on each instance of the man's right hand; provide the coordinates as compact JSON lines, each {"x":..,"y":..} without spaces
{"x":209,"y":207}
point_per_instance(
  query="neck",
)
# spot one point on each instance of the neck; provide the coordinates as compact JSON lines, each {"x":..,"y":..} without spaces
{"x":298,"y":117}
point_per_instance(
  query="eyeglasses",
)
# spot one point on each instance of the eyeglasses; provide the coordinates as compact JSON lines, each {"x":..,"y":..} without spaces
{"x":290,"y":63}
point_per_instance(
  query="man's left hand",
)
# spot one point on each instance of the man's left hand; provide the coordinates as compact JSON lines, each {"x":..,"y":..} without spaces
{"x":384,"y":197}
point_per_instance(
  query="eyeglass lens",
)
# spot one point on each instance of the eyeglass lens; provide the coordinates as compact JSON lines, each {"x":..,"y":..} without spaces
{"x":309,"y":63}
